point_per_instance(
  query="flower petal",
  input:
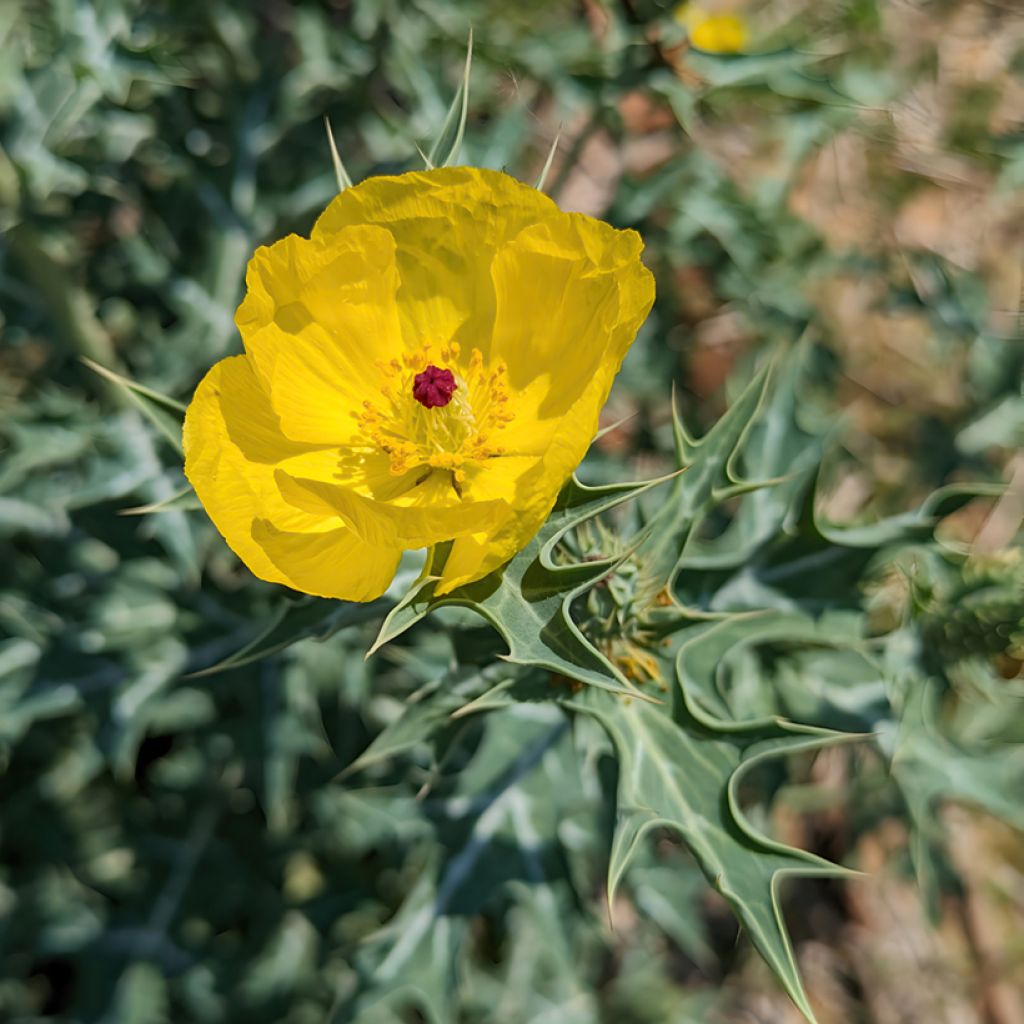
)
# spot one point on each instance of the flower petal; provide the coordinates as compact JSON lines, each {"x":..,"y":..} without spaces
{"x":595,"y":292}
{"x":318,"y":319}
{"x":427,"y":514}
{"x":537,"y":488}
{"x":447,"y":224}
{"x":233,"y":444}
{"x":333,"y":564}
{"x":571,"y":295}
{"x":299,"y":452}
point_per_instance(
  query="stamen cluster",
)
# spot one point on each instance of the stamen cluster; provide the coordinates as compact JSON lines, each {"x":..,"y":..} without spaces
{"x":432,"y":416}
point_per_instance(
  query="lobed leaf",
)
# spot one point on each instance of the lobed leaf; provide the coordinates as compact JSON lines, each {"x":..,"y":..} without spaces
{"x":528,"y":600}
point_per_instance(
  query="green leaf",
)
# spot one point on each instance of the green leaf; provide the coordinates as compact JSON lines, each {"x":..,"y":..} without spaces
{"x":710,"y":471}
{"x":184,"y":500}
{"x":780,"y":454}
{"x":528,"y":600}
{"x":677,"y":773}
{"x":415,"y":967}
{"x":445,"y":149}
{"x":166,"y":414}
{"x":290,"y":952}
{"x":492,"y":823}
{"x":294,"y":620}
{"x":140,"y":997}
{"x":340,"y":173}
{"x":931,"y":767}
{"x":429,"y":710}
{"x":544,"y":973}
{"x":725,"y":689}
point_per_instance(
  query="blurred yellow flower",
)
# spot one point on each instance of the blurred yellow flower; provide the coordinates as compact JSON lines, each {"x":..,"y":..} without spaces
{"x":714,"y":33}
{"x":429,"y":366}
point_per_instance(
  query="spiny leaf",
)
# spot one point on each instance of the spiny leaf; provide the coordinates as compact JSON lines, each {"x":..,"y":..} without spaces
{"x":297,"y":620}
{"x":417,"y":953}
{"x":816,"y":565}
{"x":523,"y":688}
{"x":446,"y":148}
{"x":910,"y":527}
{"x":776,"y":552}
{"x":708,"y":464}
{"x":707,"y":654}
{"x":166,"y":414}
{"x":527,"y":600}
{"x":340,"y":173}
{"x":930,"y":768}
{"x":676,"y":772}
{"x":493,"y":821}
{"x":184,"y":500}
{"x":777,"y":457}
{"x":432,"y":709}
{"x":546,"y":169}
{"x":442,"y":704}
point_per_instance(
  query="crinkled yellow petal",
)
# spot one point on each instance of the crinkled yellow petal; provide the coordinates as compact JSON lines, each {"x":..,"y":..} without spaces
{"x":422,"y":517}
{"x":447,"y":224}
{"x":233,"y":445}
{"x":593,"y":325}
{"x":332,"y":564}
{"x":571,"y":295}
{"x":318,"y":319}
{"x":318,"y":470}
{"x":474,"y":556}
{"x":595,"y":294}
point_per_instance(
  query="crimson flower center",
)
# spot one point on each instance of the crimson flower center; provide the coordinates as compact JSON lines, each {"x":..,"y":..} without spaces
{"x":433,"y":387}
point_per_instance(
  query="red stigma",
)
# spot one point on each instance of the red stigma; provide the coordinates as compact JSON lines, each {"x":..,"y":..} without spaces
{"x":433,"y":387}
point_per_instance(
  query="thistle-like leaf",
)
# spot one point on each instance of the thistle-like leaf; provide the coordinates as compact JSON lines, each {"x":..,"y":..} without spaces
{"x":776,"y":458}
{"x":341,"y":174}
{"x":415,"y":963}
{"x":930,"y":767}
{"x":710,"y":470}
{"x":683,"y":773}
{"x":296,"y":620}
{"x":528,"y":600}
{"x":493,"y":823}
{"x":430,"y":710}
{"x":166,"y":414}
{"x":711,"y":663}
{"x":445,"y":149}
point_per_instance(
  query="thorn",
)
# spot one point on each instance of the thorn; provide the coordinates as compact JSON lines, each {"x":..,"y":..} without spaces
{"x":342,"y":175}
{"x":427,"y":163}
{"x":550,"y":160}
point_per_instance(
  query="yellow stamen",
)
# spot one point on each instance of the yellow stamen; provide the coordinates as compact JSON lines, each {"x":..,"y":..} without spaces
{"x":450,"y":437}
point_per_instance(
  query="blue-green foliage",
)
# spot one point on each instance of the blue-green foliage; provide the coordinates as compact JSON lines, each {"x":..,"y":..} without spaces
{"x":212,"y":807}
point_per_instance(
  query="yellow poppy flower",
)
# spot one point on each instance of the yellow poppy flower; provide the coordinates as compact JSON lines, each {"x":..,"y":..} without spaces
{"x":429,"y":366}
{"x":713,"y":33}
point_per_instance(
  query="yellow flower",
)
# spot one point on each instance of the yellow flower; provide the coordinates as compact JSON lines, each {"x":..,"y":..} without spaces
{"x":429,"y":366}
{"x":713,"y":33}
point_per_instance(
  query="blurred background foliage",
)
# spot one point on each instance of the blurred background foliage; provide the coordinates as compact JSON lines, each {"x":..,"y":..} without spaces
{"x":302,"y":835}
